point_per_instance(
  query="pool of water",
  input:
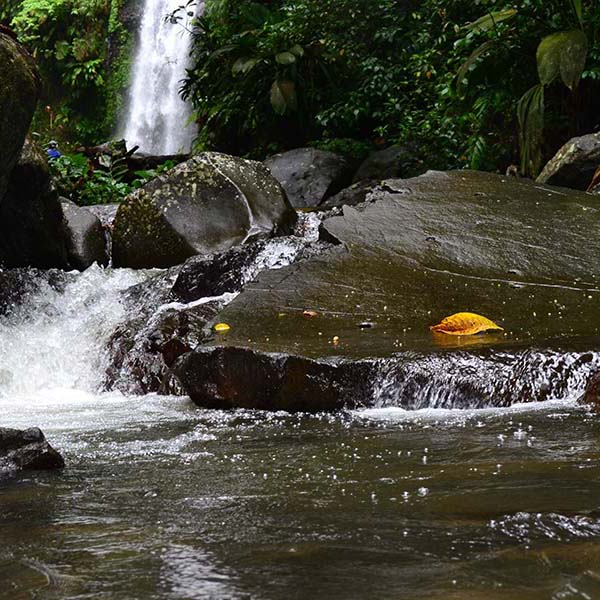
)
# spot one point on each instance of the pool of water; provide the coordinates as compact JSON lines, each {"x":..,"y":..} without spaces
{"x":163,"y":500}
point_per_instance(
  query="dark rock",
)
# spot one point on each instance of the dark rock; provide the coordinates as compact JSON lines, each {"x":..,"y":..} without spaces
{"x":86,"y":240}
{"x":310,"y":176}
{"x":26,"y":450}
{"x":32,"y":227}
{"x":19,"y":90}
{"x":522,"y":254}
{"x":364,"y":191}
{"x":574,"y":164}
{"x":204,"y":206}
{"x":391,"y":163}
{"x":203,"y":276}
{"x":228,"y":377}
{"x":591,"y":395}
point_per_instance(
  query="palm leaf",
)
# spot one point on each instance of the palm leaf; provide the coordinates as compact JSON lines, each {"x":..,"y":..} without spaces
{"x":490,"y":20}
{"x":464,"y":68}
{"x":530,"y":112}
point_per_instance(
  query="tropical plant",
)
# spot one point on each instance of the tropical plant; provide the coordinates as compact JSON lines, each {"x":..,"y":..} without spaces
{"x":560,"y":56}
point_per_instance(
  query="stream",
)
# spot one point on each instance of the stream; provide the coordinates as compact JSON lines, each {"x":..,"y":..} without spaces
{"x":161,"y":499}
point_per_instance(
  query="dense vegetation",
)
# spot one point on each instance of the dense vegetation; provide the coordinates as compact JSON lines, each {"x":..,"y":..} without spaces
{"x":342,"y":73}
{"x":82,"y":51}
{"x":457,"y":81}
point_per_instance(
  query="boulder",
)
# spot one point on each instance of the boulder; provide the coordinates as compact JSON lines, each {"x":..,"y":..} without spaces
{"x":224,"y":377}
{"x":206,"y":205}
{"x":32,"y":227}
{"x":16,"y":285}
{"x":310,"y":176}
{"x":591,"y":395}
{"x":391,"y":163}
{"x":522,"y":254}
{"x":574,"y":165}
{"x":26,"y":450}
{"x":86,"y":240}
{"x":19,"y":90}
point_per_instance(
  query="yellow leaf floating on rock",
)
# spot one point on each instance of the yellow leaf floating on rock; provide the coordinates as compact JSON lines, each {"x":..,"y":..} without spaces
{"x":465,"y":323}
{"x":221,"y":327}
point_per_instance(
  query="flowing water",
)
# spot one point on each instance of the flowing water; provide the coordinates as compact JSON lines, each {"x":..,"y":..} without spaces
{"x":163,"y":500}
{"x":157,"y":119}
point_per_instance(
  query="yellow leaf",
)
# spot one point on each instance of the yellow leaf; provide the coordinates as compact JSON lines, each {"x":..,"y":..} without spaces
{"x":221,"y":327}
{"x":465,"y":324}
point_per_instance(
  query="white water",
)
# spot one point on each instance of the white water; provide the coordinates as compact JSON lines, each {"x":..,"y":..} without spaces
{"x":157,"y":119}
{"x":52,"y":357}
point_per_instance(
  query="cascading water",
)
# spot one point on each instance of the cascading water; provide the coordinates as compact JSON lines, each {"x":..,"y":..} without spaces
{"x":157,"y":119}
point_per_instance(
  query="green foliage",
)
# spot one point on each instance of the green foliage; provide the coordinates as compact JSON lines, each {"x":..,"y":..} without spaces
{"x":77,"y":178}
{"x":70,"y":40}
{"x":444,"y":76}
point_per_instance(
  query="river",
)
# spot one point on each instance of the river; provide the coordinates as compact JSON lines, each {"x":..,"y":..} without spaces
{"x":161,"y":499}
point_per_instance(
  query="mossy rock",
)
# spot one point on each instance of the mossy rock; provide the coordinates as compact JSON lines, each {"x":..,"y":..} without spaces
{"x":19,"y":89}
{"x":205,"y":205}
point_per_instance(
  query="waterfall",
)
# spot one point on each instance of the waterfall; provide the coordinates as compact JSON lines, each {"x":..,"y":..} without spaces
{"x":157,"y":119}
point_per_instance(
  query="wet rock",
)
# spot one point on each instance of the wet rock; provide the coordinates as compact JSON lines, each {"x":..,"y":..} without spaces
{"x":366,"y":191}
{"x":229,"y":377}
{"x":310,"y":176}
{"x":574,"y":164}
{"x":86,"y":239}
{"x":204,"y":206}
{"x":522,"y":254}
{"x":32,"y":227}
{"x":19,"y":90}
{"x":169,"y":319}
{"x":203,"y":276}
{"x":591,"y":395}
{"x":391,"y":163}
{"x":26,"y":450}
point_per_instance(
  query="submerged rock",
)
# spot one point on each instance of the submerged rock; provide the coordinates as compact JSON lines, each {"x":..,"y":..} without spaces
{"x":203,"y":206}
{"x":86,"y":239}
{"x":522,"y":254}
{"x":310,"y":176}
{"x":26,"y":450}
{"x":574,"y":164}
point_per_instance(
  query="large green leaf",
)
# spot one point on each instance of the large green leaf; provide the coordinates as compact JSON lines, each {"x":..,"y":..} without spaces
{"x":285,"y":58}
{"x":297,"y":50}
{"x":283,"y":96}
{"x":243,"y":65}
{"x":562,"y":54}
{"x":490,"y":20}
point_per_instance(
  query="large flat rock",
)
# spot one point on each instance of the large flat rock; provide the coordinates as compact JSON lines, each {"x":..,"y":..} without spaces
{"x":522,"y":254}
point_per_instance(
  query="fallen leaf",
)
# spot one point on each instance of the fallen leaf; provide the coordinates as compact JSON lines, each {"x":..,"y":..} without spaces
{"x":465,"y":324}
{"x":222,"y":327}
{"x":310,"y":313}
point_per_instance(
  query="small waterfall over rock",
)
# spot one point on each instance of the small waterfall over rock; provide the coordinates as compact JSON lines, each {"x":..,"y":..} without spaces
{"x":157,"y":119}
